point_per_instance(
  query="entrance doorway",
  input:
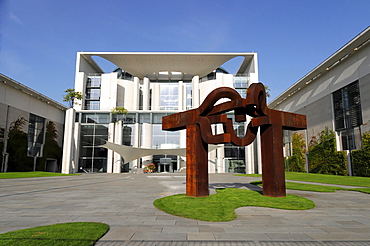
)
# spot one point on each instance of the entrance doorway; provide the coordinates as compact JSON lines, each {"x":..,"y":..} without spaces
{"x":165,"y":163}
{"x":235,"y":166}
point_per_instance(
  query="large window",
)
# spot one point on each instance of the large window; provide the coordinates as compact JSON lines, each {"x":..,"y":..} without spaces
{"x":128,"y":134}
{"x":169,"y":96}
{"x":240,"y":85}
{"x":348,"y":114}
{"x":95,"y":118}
{"x":92,"y":97}
{"x":36,"y":130}
{"x":164,"y":139}
{"x":93,"y":158}
{"x":92,"y":93}
{"x":189,"y":88}
{"x":347,"y":107}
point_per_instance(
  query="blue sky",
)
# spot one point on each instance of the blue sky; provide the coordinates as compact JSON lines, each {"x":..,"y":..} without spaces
{"x":39,"y":39}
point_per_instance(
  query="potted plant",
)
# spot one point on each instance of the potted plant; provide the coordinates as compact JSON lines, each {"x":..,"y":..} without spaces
{"x":150,"y":168}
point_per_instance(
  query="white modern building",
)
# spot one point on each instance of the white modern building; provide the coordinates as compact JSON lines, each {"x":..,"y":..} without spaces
{"x":335,"y":94}
{"x":26,"y":117}
{"x":149,"y":85}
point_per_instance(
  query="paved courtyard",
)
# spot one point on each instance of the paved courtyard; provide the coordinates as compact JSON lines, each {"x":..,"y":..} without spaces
{"x":125,"y":203}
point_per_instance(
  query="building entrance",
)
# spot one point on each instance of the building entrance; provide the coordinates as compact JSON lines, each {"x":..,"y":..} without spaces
{"x":235,"y":166}
{"x":165,"y":163}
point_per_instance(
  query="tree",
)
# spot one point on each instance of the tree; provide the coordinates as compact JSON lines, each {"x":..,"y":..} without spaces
{"x":117,"y":111}
{"x":72,"y":95}
{"x":17,"y":147}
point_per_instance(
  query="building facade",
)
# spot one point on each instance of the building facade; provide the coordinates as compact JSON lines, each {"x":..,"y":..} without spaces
{"x":335,"y":94}
{"x":149,"y":86}
{"x":31,"y":129}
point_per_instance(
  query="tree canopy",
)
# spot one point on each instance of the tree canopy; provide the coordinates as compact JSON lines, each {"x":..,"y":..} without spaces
{"x":72,"y":95}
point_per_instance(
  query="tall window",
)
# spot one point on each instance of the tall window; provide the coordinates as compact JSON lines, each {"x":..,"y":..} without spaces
{"x":240,"y":85}
{"x":92,"y":98}
{"x":188,"y":95}
{"x":36,"y":132}
{"x":93,"y":158}
{"x":347,"y":113}
{"x":169,"y":96}
{"x":164,"y":139}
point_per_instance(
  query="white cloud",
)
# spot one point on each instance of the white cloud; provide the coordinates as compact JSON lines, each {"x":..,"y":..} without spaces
{"x":15,"y":18}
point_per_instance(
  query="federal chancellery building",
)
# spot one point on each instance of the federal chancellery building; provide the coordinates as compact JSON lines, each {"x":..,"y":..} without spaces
{"x":149,"y":86}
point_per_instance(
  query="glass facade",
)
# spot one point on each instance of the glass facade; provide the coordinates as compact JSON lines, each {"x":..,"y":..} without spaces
{"x":92,"y":96}
{"x":92,"y":157}
{"x":164,"y":139}
{"x":169,"y":99}
{"x":36,"y":135}
{"x":189,"y":96}
{"x":348,"y":115}
{"x":241,"y":85}
{"x":94,"y":125}
{"x":234,"y":155}
{"x":128,"y":134}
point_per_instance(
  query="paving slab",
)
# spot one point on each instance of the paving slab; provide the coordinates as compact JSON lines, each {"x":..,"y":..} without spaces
{"x":125,"y":203}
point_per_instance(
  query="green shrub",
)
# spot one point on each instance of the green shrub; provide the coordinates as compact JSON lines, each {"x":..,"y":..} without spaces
{"x":361,"y":158}
{"x":323,"y":157}
{"x":296,"y":162}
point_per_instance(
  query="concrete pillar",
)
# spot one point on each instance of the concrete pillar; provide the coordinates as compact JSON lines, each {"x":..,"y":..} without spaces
{"x":156,"y":94}
{"x":110,"y":152}
{"x":221,"y":160}
{"x":136,"y":92}
{"x":68,"y":146}
{"x":117,"y":140}
{"x":146,"y":141}
{"x":80,"y":86}
{"x":180,"y":96}
{"x":146,"y":93}
{"x":135,"y":163}
{"x":76,"y":148}
{"x":195,"y":96}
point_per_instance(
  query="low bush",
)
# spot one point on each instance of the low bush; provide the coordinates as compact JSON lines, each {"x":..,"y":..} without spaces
{"x":323,"y":157}
{"x":361,"y":158}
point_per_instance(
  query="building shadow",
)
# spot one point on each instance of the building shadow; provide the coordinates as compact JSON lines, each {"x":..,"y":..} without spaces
{"x":214,"y":186}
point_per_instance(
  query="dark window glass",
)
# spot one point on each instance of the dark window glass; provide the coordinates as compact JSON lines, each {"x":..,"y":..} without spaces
{"x":92,"y":105}
{"x":144,"y":118}
{"x":36,"y":129}
{"x":157,"y":118}
{"x":93,"y":81}
{"x":347,"y":107}
{"x":128,"y":135}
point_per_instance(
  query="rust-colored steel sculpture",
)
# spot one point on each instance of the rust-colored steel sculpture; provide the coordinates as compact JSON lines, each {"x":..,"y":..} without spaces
{"x":197,"y":123}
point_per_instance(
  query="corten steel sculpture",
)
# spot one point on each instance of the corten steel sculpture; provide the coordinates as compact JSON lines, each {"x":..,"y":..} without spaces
{"x":197,"y":123}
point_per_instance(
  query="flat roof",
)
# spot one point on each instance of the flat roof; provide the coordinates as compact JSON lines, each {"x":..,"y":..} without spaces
{"x":340,"y":55}
{"x":141,"y":64}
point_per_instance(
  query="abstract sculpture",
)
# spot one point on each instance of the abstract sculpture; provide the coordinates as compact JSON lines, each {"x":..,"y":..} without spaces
{"x":197,"y":123}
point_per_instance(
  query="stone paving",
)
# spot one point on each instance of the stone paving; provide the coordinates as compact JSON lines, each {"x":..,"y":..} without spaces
{"x":125,"y":203}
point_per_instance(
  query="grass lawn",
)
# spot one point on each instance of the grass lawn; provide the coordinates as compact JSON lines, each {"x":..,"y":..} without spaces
{"x":322,"y":178}
{"x":77,"y":233}
{"x":15,"y":175}
{"x":315,"y":188}
{"x":221,"y":206}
